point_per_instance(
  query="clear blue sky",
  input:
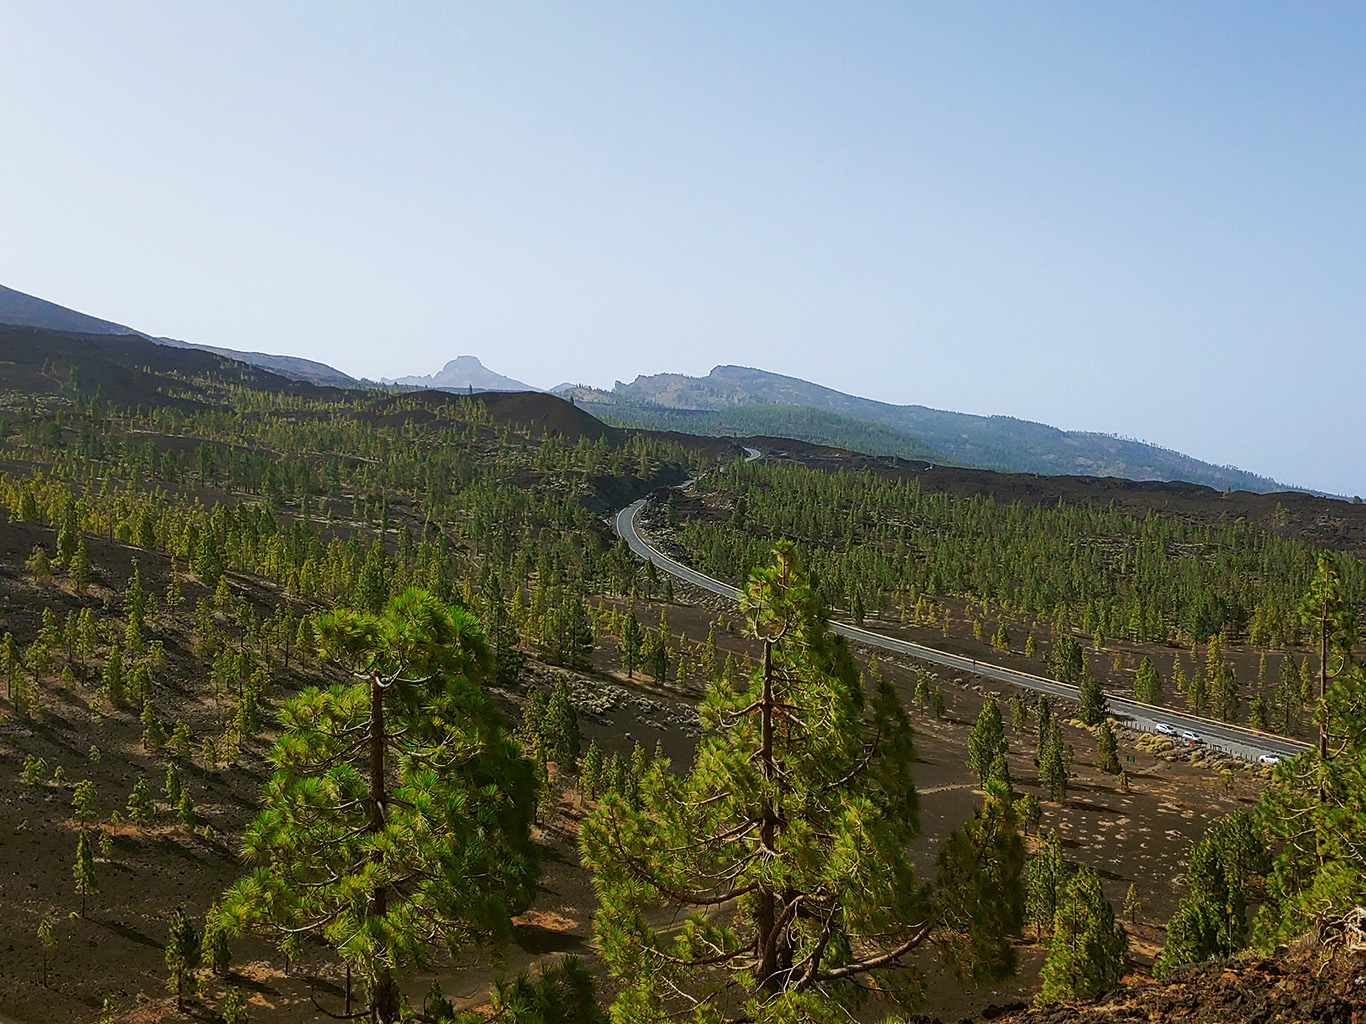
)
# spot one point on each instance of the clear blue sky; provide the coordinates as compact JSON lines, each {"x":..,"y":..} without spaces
{"x":1147,"y":219}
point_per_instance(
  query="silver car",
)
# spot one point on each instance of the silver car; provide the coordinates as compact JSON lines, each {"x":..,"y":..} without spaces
{"x":1190,"y":737}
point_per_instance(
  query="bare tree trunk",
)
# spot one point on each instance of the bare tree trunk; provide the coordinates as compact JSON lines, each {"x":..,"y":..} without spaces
{"x":384,"y":992}
{"x":766,"y":915}
{"x":1323,"y":730}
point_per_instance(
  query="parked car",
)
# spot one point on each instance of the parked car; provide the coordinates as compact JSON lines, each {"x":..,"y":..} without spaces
{"x":1164,"y":729}
{"x":1269,"y":759}
{"x":1191,"y":737}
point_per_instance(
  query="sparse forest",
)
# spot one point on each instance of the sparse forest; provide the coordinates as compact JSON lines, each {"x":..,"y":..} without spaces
{"x":317,"y":701}
{"x":1055,"y":574}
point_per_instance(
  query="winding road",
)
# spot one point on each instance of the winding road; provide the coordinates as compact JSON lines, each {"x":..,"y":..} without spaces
{"x":1249,"y":744}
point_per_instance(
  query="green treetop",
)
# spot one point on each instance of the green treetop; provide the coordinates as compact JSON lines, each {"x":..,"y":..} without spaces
{"x":784,"y":847}
{"x":987,"y":742}
{"x":1094,"y":706}
{"x":399,"y":811}
{"x":1313,"y":813}
{"x":1211,"y":919}
{"x":1107,"y":748}
{"x":1147,"y":683}
{"x":1089,"y":950}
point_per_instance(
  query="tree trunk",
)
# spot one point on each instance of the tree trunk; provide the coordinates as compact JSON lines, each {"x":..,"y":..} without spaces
{"x":384,"y":992}
{"x":765,"y":918}
{"x":1323,"y":732}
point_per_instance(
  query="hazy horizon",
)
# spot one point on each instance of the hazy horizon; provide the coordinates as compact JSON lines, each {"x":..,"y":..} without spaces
{"x":1142,"y":221}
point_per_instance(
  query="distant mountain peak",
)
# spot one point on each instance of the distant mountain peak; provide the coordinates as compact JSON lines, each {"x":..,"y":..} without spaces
{"x":464,"y":364}
{"x":463,"y":373}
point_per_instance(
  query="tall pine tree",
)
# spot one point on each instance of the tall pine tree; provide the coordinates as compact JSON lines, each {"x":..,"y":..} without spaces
{"x":399,"y":811}
{"x":798,"y":812}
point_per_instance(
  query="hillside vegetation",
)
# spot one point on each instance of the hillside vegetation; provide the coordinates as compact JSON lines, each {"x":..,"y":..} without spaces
{"x":995,"y":442}
{"x":317,"y":700}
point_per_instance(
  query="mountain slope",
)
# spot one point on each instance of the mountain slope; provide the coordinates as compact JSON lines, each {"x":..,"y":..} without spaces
{"x":999,"y":442}
{"x":42,"y":366}
{"x":22,"y":310}
{"x":463,"y":373}
{"x":797,"y":422}
{"x":293,"y":367}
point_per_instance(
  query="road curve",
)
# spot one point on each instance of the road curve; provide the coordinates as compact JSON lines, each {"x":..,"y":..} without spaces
{"x":1246,"y":743}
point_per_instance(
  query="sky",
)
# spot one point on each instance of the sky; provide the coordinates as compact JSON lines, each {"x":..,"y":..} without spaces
{"x":1142,"y":219}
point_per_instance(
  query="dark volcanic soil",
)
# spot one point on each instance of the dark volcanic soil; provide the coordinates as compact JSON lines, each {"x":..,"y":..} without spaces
{"x":1306,"y":985}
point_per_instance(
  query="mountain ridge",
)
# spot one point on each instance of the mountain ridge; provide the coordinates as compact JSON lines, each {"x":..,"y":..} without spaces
{"x":19,"y":309}
{"x":994,"y":442}
{"x":734,"y":399}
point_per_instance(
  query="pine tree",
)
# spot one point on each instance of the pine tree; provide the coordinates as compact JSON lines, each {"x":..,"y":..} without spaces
{"x":85,"y":801}
{"x":234,"y":1007}
{"x":1287,"y":694}
{"x":922,"y":688}
{"x":562,"y":993}
{"x":1312,"y":814}
{"x":1147,"y":683}
{"x":153,"y":733}
{"x":181,"y":741}
{"x":1044,"y":723}
{"x":1019,"y":713}
{"x":140,"y":802}
{"x":209,"y":563}
{"x":1045,"y":876}
{"x":182,"y":955}
{"x":84,"y":870}
{"x":399,"y":810}
{"x":40,"y":567}
{"x":1094,"y":706}
{"x":48,"y":941}
{"x":185,"y":811}
{"x":1133,"y":903}
{"x":799,"y":806}
{"x":172,"y":784}
{"x":987,"y":741}
{"x":630,"y":643}
{"x":560,"y":728}
{"x":591,"y":772}
{"x":216,"y":943}
{"x":1067,"y":660}
{"x":1028,"y":812}
{"x":79,"y":569}
{"x":1053,"y":773}
{"x":1211,"y":918}
{"x":1107,"y":749}
{"x":1089,"y":949}
{"x":657,"y":656}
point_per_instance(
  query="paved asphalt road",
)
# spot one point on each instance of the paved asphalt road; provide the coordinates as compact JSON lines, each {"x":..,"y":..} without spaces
{"x":1246,"y":743}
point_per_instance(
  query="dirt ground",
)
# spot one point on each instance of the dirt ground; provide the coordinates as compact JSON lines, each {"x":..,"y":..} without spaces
{"x":1306,"y":984}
